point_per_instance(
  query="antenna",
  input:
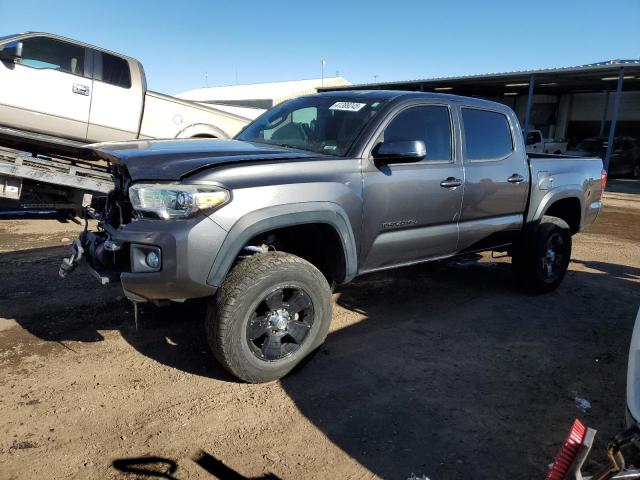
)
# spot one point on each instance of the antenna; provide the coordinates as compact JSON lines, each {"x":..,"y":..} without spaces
{"x":206,"y":79}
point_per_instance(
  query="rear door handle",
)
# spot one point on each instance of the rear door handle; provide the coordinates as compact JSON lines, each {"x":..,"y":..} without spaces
{"x":80,"y":89}
{"x":451,"y":182}
{"x":515,"y":178}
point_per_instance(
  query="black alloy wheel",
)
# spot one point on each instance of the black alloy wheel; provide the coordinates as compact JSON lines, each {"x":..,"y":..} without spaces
{"x":280,"y":324}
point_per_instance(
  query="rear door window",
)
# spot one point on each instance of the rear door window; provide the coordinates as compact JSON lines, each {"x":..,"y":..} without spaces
{"x":48,"y":53}
{"x":487,"y":134}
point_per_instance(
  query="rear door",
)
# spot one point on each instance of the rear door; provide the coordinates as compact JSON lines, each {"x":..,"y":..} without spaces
{"x":48,"y":90}
{"x":496,"y":178}
{"x":408,"y":215}
{"x":116,"y":108}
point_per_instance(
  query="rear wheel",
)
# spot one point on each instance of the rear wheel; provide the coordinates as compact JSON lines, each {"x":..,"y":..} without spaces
{"x":541,"y":260}
{"x":272,"y":310}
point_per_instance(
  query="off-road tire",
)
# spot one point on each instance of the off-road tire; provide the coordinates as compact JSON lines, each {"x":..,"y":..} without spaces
{"x":529,"y":257}
{"x":238,"y":297}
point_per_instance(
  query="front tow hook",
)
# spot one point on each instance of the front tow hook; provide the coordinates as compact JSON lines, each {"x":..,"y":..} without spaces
{"x":68,"y":265}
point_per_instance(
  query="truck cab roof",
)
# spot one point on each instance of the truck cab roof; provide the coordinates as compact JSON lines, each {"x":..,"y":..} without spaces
{"x":397,"y":95}
{"x":19,"y":36}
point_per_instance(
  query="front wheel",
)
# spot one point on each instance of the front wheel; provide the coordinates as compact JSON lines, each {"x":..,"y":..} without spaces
{"x":272,"y":310}
{"x":541,"y":260}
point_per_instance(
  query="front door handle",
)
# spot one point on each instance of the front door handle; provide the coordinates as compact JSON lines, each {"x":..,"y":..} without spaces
{"x":81,"y":89}
{"x":515,"y":178}
{"x":451,"y":182}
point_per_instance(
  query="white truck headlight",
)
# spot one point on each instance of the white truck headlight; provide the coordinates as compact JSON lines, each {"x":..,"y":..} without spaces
{"x":175,"y":200}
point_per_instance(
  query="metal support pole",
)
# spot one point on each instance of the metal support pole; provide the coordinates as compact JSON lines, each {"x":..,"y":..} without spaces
{"x":527,"y":115}
{"x":614,"y":119}
{"x":604,"y":115}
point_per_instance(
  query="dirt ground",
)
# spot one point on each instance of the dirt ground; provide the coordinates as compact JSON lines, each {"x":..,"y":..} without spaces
{"x":443,"y":371}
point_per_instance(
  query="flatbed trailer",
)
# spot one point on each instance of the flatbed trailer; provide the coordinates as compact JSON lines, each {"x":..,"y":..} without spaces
{"x":50,"y":181}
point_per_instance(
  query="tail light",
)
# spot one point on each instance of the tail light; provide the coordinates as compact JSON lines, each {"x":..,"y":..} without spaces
{"x":603,"y":179}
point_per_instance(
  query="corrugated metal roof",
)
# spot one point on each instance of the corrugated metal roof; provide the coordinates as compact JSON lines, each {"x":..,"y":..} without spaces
{"x":604,"y":67}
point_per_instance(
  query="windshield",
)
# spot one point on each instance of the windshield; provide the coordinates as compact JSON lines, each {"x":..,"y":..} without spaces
{"x":327,"y":125}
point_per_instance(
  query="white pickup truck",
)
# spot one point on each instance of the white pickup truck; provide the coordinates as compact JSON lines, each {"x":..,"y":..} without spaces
{"x":536,"y":143}
{"x":75,"y":92}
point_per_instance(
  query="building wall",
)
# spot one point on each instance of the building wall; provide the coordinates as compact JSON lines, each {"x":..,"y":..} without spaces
{"x":590,"y":106}
{"x":571,"y":116}
{"x":261,"y":95}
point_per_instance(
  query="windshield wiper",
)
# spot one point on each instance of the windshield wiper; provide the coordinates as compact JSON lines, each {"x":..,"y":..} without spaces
{"x":285,"y":145}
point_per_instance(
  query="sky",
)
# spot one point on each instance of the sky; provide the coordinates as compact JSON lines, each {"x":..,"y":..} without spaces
{"x":261,"y":41}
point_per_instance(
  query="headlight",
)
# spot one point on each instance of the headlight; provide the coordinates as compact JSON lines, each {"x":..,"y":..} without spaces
{"x":175,"y":200}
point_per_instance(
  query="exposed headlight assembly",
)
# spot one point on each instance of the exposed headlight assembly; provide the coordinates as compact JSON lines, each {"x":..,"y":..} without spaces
{"x":167,"y":201}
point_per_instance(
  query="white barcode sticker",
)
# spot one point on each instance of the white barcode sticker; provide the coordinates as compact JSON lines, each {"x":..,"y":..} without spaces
{"x":347,"y":106}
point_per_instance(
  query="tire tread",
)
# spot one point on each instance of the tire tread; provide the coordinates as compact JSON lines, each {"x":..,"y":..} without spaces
{"x":524,"y":259}
{"x":227,"y":303}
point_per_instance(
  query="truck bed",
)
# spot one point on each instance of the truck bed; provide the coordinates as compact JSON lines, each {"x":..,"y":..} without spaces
{"x":557,"y":176}
{"x":552,"y":156}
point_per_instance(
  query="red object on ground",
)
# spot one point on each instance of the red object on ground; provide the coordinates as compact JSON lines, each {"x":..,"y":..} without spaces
{"x":603,"y":179}
{"x":568,"y":453}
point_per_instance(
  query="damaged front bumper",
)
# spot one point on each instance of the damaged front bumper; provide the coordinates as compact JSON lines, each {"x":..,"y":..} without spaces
{"x":77,"y":253}
{"x":185,"y":250}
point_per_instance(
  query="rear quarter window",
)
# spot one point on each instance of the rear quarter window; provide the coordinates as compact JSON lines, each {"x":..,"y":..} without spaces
{"x":487,"y":134}
{"x":115,"y":71}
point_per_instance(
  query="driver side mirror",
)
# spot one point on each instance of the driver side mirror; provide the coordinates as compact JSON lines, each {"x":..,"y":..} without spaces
{"x":399,"y":152}
{"x":11,"y":51}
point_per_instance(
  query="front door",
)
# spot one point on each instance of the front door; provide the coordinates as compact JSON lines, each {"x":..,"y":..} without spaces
{"x":411,"y":210}
{"x":47,"y":90}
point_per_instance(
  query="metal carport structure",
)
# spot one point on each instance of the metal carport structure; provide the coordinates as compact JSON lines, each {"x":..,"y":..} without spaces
{"x":610,"y":77}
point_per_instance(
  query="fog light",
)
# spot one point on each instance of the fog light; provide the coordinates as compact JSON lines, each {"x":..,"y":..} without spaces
{"x":153,"y":260}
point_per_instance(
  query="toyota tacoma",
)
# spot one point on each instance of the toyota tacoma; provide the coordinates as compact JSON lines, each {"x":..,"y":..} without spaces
{"x":317,"y":191}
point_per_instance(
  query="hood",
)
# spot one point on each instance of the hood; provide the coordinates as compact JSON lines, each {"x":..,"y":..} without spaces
{"x":175,"y":159}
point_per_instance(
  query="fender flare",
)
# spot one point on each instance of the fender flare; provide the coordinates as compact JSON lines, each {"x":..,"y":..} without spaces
{"x":201,"y":129}
{"x":552,"y":196}
{"x":280,"y":216}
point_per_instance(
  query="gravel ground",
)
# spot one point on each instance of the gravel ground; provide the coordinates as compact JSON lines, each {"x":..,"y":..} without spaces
{"x":442,"y":370}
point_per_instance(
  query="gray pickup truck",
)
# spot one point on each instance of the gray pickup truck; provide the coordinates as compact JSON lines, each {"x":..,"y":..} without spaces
{"x":317,"y":191}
